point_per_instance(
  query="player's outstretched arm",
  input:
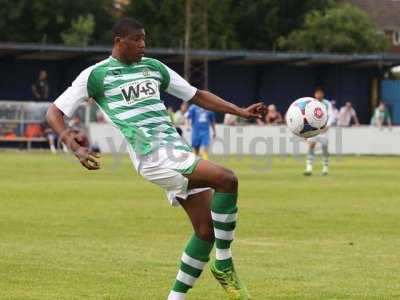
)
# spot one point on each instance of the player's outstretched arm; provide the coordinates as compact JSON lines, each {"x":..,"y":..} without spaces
{"x":212,"y":102}
{"x":76,"y":141}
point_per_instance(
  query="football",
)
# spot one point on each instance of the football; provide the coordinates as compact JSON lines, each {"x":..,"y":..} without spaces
{"x":306,"y":117}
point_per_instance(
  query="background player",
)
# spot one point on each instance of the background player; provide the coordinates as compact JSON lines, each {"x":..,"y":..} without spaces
{"x":322,"y":138}
{"x":126,"y":86}
{"x":200,"y":121}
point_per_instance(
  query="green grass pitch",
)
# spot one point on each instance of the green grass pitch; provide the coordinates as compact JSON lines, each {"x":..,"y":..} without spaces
{"x":67,"y":233}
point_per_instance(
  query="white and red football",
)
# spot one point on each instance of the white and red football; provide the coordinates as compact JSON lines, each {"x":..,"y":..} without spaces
{"x":306,"y":117}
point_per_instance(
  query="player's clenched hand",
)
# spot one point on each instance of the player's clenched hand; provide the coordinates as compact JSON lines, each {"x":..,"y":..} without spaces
{"x":256,"y":110}
{"x":88,"y":158}
{"x":81,"y":138}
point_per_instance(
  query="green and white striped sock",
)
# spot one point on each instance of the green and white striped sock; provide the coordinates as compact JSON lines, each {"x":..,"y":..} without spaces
{"x":224,"y":216}
{"x":194,"y":258}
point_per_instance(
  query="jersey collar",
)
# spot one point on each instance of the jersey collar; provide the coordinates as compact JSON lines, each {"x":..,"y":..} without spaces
{"x":118,"y":62}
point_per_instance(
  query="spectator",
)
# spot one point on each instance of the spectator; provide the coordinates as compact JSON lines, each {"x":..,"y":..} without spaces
{"x":335,"y":113}
{"x":40,"y":89}
{"x":242,"y":121}
{"x":381,"y":116}
{"x":52,"y":139}
{"x":33,"y":130}
{"x":171,"y":113}
{"x":230,"y":120}
{"x":260,"y":122}
{"x":273,"y":116}
{"x":346,"y":114}
{"x":180,"y":118}
{"x":8,"y":131}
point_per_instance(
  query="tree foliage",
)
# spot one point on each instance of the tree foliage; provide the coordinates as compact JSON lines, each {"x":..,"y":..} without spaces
{"x":307,"y":25}
{"x":259,"y":24}
{"x":341,"y":29}
{"x":245,"y":24}
{"x":163,"y":20}
{"x":165,"y":23}
{"x":44,"y":20}
{"x":80,"y":32}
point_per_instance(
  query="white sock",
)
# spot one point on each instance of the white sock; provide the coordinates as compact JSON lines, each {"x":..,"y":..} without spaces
{"x":325,"y":169}
{"x":53,"y":149}
{"x":65,"y":148}
{"x":176,"y":296}
{"x":309,"y":168}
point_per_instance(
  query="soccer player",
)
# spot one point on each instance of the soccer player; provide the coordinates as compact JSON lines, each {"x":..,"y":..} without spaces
{"x":201,"y":120}
{"x":126,"y":86}
{"x":322,"y":138}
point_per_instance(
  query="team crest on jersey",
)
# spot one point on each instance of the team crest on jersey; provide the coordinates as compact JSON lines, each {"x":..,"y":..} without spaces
{"x":116,"y":72}
{"x":146,"y":72}
{"x":139,"y":90}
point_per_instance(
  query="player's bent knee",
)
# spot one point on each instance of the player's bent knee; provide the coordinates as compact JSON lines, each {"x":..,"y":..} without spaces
{"x":205,"y":232}
{"x":229,"y":182}
{"x":234,"y":182}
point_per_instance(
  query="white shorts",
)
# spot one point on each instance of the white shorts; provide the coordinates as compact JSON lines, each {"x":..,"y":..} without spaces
{"x":322,"y":138}
{"x":166,"y":167}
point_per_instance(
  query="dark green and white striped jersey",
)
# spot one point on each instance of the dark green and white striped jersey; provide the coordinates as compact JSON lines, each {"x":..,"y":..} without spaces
{"x":130,"y":96}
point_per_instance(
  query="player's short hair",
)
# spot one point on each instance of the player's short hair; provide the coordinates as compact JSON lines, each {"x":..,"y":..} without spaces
{"x":123,"y":27}
{"x":319,"y":89}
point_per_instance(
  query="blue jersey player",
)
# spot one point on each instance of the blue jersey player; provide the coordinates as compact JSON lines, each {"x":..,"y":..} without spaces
{"x":201,"y":120}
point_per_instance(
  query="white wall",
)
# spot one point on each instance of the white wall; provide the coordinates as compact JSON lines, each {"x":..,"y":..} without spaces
{"x":261,"y":140}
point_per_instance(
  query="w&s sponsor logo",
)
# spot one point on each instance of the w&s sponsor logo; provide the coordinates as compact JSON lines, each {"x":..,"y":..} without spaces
{"x":140,"y":90}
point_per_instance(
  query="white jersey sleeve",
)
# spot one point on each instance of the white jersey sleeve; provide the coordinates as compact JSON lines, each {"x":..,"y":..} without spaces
{"x":73,"y":96}
{"x":179,"y":87}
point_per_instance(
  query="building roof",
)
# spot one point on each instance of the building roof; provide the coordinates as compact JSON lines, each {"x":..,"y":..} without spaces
{"x":176,"y":55}
{"x":385,"y":13}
